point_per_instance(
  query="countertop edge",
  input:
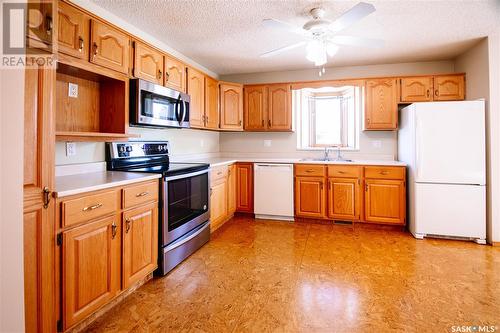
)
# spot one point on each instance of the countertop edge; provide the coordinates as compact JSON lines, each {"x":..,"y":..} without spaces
{"x":296,"y":161}
{"x":62,"y":194}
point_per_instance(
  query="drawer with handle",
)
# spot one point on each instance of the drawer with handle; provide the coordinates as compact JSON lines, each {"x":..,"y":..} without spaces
{"x":383,"y":172}
{"x":345,"y":171}
{"x":316,"y":170}
{"x":88,"y":207}
{"x":218,"y":173}
{"x":138,"y":194}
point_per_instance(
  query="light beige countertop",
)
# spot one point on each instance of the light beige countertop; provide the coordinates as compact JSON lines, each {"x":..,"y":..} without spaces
{"x":218,"y":161}
{"x":87,"y":182}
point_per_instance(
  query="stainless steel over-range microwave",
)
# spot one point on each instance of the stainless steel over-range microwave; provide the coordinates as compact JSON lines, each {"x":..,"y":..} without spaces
{"x":155,"y":105}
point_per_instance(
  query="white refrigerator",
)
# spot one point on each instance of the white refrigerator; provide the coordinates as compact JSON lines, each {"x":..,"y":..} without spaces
{"x":443,"y":144}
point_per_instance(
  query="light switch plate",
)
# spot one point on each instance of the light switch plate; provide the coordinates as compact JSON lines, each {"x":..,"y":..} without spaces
{"x":70,"y":149}
{"x":267,"y":143}
{"x":73,"y":90}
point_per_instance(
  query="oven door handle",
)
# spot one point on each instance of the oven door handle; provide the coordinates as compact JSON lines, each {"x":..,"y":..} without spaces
{"x":186,"y":175}
{"x":188,"y":238}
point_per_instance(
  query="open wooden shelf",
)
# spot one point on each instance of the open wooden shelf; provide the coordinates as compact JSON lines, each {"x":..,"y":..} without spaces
{"x":93,"y":136}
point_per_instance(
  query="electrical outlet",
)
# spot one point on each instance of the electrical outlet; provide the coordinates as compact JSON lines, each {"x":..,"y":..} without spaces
{"x":377,"y":144}
{"x":70,"y":149}
{"x":267,"y":143}
{"x":73,"y":90}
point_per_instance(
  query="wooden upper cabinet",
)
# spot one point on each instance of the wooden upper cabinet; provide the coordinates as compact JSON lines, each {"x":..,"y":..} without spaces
{"x":310,"y":197}
{"x":279,"y":108}
{"x":196,"y":91}
{"x":231,"y":106}
{"x":416,"y":89}
{"x":244,"y":187}
{"x":91,"y":268}
{"x":449,"y":87}
{"x":148,"y":63}
{"x":40,"y":23}
{"x":211,"y":103}
{"x":73,"y":31}
{"x":381,"y":108}
{"x":175,"y":74}
{"x":255,"y":107}
{"x":109,"y":47}
{"x":140,"y":246}
{"x":344,"y":198}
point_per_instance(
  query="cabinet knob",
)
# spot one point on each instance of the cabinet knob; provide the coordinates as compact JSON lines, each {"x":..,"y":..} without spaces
{"x":269,"y":122}
{"x":436,"y":92}
{"x":240,"y":122}
{"x":127,"y":225}
{"x":48,"y":24}
{"x":159,"y":74}
{"x":167,"y":76}
{"x":428,"y":93}
{"x":96,"y":48}
{"x":46,"y":197}
{"x":92,"y":207}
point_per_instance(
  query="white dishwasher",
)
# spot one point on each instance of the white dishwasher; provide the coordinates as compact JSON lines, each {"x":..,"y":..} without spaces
{"x":273,"y":191}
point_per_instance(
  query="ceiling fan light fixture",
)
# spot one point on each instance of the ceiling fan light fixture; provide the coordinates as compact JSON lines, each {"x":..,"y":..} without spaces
{"x":331,"y":49}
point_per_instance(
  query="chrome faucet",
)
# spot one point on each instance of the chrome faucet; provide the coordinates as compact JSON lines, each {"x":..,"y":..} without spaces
{"x":339,"y":154}
{"x":326,"y":154}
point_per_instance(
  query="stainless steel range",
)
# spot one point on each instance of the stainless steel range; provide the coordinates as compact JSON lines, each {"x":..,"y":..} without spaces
{"x":184,"y":224}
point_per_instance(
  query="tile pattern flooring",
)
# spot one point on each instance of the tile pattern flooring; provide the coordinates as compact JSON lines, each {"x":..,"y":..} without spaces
{"x":268,"y":276}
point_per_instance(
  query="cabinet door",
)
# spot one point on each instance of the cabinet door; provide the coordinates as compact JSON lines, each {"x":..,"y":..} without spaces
{"x":255,"y":107}
{"x":416,"y":89}
{"x":73,"y":33}
{"x":148,"y":63}
{"x":310,"y":197}
{"x":344,"y":198}
{"x":231,"y":106}
{"x":40,"y":23}
{"x":279,"y":115}
{"x":175,"y":74}
{"x":218,"y":203}
{"x":109,"y":47}
{"x":140,"y":243}
{"x":231,"y":189}
{"x":244,"y":187}
{"x":91,"y":268}
{"x":385,"y":201}
{"x":211,"y":103}
{"x":381,"y":110}
{"x":449,"y":87}
{"x":38,"y":219}
{"x":196,"y":90}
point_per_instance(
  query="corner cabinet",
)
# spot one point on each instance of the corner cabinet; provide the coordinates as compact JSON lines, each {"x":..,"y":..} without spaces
{"x":381,"y":105}
{"x":231,"y":106}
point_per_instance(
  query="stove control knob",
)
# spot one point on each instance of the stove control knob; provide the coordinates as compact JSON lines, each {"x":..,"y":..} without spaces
{"x":121,"y":149}
{"x":129,"y":149}
{"x":165,"y":147}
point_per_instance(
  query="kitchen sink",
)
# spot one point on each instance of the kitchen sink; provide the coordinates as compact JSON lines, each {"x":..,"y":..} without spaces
{"x":325,"y":160}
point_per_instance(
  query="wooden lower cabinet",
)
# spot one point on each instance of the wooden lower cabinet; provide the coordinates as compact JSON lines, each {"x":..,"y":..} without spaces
{"x":385,"y":201}
{"x":106,"y":254}
{"x":90,"y":268}
{"x":344,"y":198}
{"x":218,"y":203}
{"x":140,"y":248}
{"x":244,"y":187}
{"x":310,"y":197}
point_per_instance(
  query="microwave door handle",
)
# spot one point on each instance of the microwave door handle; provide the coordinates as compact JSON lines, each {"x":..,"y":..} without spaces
{"x":183,"y":111}
{"x":178,"y":112}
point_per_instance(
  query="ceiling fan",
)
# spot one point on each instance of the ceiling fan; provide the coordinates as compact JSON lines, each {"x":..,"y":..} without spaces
{"x":320,"y":34}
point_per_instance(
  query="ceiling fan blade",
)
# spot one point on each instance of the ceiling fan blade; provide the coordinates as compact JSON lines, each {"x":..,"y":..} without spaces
{"x":282,"y":49}
{"x":353,"y":15}
{"x":357,"y":41}
{"x":277,"y":24}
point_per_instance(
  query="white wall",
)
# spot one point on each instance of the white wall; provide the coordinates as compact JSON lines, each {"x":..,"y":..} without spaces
{"x":475,"y":63}
{"x":11,"y":201}
{"x":372,"y":145}
{"x":184,"y":142}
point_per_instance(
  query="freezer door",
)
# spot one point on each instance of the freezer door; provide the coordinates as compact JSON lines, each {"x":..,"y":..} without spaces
{"x":450,"y":142}
{"x":450,"y":210}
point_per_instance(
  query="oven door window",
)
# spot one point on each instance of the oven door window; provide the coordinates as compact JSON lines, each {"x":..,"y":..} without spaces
{"x":187,"y":199}
{"x":159,"y":107}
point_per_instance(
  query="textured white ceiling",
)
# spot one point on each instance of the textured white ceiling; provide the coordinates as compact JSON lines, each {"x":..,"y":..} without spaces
{"x":227,"y":36}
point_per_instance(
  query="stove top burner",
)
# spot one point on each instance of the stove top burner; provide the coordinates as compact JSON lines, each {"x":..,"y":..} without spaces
{"x":171,"y":169}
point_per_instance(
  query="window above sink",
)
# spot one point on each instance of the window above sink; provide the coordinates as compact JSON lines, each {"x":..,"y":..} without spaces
{"x":328,"y":117}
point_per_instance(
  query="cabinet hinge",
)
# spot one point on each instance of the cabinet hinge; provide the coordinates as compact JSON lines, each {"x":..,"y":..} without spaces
{"x":59,"y":239}
{"x":59,"y":325}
